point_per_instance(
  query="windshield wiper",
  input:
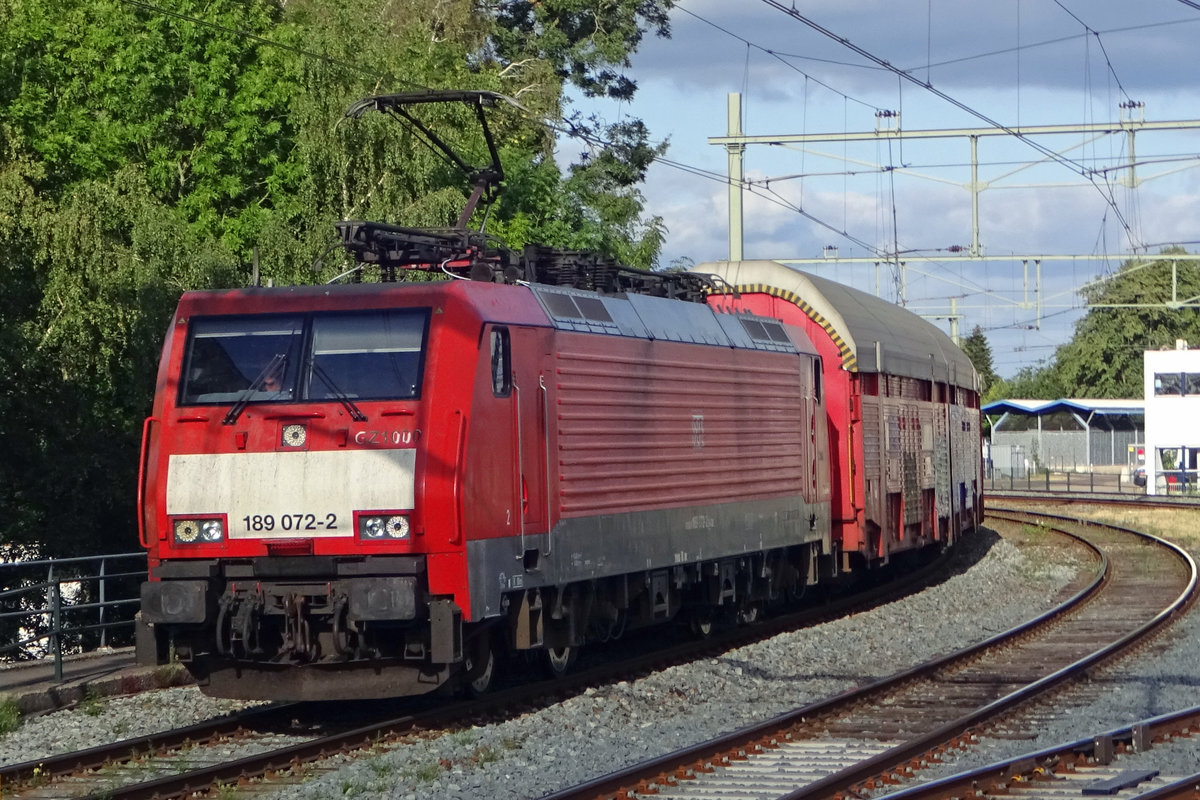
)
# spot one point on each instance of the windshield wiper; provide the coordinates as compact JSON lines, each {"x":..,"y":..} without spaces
{"x":356,"y":413}
{"x":275,"y":367}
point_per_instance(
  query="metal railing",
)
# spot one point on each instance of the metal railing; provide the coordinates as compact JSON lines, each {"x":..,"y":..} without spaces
{"x":59,"y":606}
{"x":1170,"y":482}
{"x":1063,"y":481}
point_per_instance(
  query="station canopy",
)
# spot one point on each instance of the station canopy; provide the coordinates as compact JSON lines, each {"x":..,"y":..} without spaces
{"x":1064,"y":434}
{"x":1082,"y":407}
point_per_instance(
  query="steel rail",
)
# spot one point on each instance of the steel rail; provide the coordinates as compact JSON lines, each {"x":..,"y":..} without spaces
{"x":363,"y":736}
{"x":1175,"y":502}
{"x":1137,"y":737}
{"x":867,"y":769}
{"x":747,"y":738}
{"x":124,"y":749}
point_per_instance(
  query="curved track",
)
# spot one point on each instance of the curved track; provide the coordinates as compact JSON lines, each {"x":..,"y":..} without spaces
{"x":855,"y":742}
{"x":276,"y":738}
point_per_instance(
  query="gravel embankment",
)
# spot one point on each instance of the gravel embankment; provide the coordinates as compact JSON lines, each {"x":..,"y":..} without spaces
{"x":994,"y":587}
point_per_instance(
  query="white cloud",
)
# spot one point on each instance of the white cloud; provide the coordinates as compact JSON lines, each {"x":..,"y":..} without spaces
{"x":1017,"y":63}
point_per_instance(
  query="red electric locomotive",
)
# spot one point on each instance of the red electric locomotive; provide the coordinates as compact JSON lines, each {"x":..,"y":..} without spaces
{"x":361,"y":490}
{"x":372,"y":489}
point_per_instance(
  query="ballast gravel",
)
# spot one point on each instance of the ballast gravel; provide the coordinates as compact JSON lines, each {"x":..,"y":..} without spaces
{"x":110,"y":719}
{"x":993,"y":586}
{"x":610,"y":727}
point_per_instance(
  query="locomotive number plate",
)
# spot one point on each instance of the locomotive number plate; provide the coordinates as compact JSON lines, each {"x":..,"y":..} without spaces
{"x":285,"y":494}
{"x":258,"y":523}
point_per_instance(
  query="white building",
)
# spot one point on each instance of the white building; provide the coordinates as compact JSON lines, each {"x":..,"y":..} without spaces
{"x":1172,"y":387}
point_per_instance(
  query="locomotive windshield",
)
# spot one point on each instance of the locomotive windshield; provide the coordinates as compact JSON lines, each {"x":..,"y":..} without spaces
{"x":372,"y":355}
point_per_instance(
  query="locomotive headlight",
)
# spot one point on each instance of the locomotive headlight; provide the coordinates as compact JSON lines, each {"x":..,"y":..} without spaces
{"x":202,"y":531}
{"x":377,"y":528}
{"x":372,"y":527}
{"x":294,"y":435}
{"x":187,"y":530}
{"x":211,"y":530}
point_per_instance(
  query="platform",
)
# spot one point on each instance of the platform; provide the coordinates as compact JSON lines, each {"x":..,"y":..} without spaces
{"x":102,"y":673}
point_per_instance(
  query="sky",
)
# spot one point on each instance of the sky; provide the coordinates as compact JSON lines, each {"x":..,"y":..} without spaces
{"x":983,"y":65}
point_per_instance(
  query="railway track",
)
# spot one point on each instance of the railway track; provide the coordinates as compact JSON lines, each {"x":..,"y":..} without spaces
{"x":1067,"y":498}
{"x":855,"y":743}
{"x":1094,"y":765}
{"x":276,"y":739}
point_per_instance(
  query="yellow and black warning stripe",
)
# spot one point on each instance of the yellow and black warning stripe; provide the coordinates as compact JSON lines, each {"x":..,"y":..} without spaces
{"x":849,"y":359}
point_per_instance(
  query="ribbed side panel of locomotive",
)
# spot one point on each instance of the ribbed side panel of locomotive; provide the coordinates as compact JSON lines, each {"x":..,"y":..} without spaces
{"x":638,"y":432}
{"x":684,"y":473}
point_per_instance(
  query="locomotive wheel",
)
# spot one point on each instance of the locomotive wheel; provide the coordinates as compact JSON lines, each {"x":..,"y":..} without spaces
{"x":481,"y":666}
{"x":795,"y":593}
{"x":748,"y":614}
{"x":559,"y":660}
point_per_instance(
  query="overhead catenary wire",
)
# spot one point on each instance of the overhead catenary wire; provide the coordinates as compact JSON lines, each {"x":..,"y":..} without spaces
{"x":777,"y":56}
{"x":1100,"y":41}
{"x":1105,"y":191}
{"x":1042,"y":43}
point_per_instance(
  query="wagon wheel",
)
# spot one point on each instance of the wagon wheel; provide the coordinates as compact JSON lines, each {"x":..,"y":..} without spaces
{"x":617,"y":630}
{"x":701,"y":624}
{"x":749,"y":613}
{"x":559,"y":659}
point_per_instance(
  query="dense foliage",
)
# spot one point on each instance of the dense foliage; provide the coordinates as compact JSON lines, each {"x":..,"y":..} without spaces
{"x":147,"y":151}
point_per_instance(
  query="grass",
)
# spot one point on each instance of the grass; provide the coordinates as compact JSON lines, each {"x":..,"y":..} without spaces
{"x":171,"y":674}
{"x":463,"y":737}
{"x":10,"y":715}
{"x":1034,"y":532}
{"x":92,"y":703}
{"x":1181,"y":526}
{"x":422,"y":773}
{"x":485,"y":755}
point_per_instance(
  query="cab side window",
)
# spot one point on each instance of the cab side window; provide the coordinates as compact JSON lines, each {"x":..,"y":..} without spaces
{"x":501,"y":363}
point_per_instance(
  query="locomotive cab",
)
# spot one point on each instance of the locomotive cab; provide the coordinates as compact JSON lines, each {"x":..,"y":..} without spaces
{"x":284,"y":475}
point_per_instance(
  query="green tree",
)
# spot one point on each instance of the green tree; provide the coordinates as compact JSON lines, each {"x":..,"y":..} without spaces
{"x":980,"y":352}
{"x":1104,"y":357}
{"x":144,"y":153}
{"x":1030,"y":383}
{"x":597,"y":207}
{"x":583,"y":43}
{"x":202,"y":107}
